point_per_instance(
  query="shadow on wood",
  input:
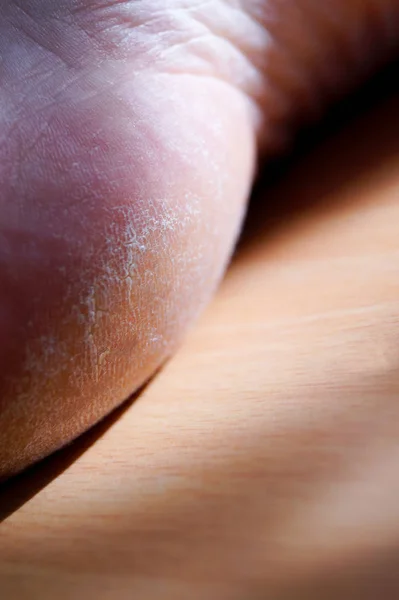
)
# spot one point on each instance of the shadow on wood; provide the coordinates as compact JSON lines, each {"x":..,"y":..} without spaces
{"x":15,"y":492}
{"x":270,"y":209}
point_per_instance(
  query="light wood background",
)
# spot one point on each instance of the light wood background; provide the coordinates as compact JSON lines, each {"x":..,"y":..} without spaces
{"x":263,"y":461}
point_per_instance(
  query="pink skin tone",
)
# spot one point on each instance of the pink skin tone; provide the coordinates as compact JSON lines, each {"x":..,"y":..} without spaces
{"x":129,"y":136}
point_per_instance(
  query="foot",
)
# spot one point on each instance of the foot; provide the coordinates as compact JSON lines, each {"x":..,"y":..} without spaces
{"x":129,"y":134}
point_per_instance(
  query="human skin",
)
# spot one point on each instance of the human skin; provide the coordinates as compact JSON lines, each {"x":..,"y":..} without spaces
{"x":130,"y":134}
{"x":261,"y":463}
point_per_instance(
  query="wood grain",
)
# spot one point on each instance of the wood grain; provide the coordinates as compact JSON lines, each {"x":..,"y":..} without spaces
{"x":262,"y":462}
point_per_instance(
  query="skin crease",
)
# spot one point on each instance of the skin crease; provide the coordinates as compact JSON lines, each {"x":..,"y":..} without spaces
{"x":129,"y":135}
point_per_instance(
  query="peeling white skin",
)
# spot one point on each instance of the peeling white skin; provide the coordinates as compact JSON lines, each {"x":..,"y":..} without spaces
{"x":128,"y":141}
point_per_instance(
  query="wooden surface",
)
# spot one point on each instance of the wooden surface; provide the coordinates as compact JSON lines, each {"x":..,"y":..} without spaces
{"x":263,"y":461}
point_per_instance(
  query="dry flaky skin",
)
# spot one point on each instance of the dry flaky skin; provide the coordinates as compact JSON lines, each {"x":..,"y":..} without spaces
{"x":128,"y":135}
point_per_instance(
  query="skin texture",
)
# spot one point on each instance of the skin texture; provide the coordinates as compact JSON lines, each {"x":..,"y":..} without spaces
{"x":129,"y":139}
